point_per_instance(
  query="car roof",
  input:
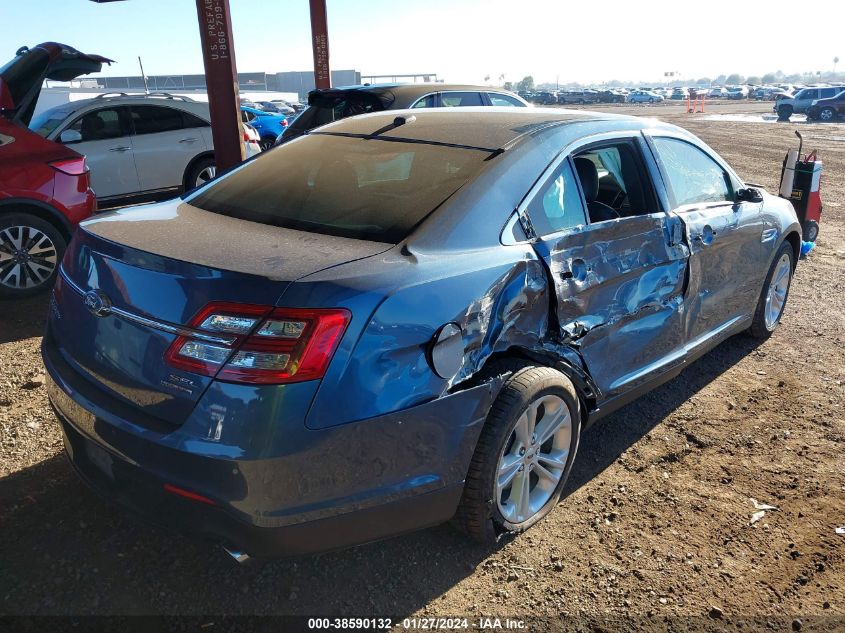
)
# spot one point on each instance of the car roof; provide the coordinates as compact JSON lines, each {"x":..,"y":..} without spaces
{"x":403,"y":95}
{"x":130,"y":99}
{"x":492,"y":128}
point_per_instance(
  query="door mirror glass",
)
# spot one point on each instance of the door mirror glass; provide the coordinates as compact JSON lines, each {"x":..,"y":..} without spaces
{"x":70,"y":136}
{"x":749,"y":194}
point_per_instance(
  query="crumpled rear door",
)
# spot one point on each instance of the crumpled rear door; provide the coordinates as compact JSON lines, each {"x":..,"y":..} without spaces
{"x":619,"y":296}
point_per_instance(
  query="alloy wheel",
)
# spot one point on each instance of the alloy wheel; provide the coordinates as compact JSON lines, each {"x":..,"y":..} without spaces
{"x":28,"y":257}
{"x":826,"y":114}
{"x":206,"y":174}
{"x":778,"y":288}
{"x":533,"y":459}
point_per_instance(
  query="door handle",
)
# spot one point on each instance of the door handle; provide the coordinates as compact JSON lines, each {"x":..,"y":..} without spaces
{"x":188,"y":140}
{"x":122,"y":148}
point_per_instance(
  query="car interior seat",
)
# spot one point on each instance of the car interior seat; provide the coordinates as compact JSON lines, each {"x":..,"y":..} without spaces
{"x":92,"y":128}
{"x":589,"y":177}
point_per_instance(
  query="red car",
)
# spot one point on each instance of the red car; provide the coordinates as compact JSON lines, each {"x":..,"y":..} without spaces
{"x":44,"y":186}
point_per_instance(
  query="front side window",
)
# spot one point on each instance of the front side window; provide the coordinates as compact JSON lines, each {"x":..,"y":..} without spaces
{"x":460,"y":99}
{"x":154,"y":119}
{"x":694,"y":177}
{"x":99,"y":125}
{"x":558,"y":204}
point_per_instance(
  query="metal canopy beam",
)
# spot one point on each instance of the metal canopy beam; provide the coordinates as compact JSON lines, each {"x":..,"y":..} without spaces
{"x":320,"y":44}
{"x":221,"y":74}
{"x":221,"y":79}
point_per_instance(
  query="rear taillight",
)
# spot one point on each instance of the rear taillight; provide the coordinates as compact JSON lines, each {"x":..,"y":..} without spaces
{"x":71,"y":166}
{"x":284,"y":122}
{"x":268,"y":346}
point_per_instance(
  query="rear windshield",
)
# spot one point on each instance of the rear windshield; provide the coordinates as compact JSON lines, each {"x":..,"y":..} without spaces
{"x":369,"y":189}
{"x":325,"y":109}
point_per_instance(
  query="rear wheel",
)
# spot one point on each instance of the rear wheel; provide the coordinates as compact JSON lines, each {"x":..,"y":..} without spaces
{"x":266,"y":143}
{"x":784,"y":112}
{"x":203,"y":171}
{"x":775,"y":292}
{"x":811,"y":231}
{"x":827,"y":114}
{"x":524,"y":454}
{"x":30,"y":252}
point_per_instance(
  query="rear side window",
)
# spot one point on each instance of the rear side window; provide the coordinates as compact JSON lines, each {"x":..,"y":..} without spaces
{"x":428,"y":101}
{"x":497,"y":99}
{"x":367,"y":189}
{"x":460,"y":99}
{"x":558,"y":205}
{"x":155,"y":119}
{"x":694,"y":177}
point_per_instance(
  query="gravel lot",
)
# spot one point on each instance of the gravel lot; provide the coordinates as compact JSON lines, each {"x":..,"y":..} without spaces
{"x":656,"y":520}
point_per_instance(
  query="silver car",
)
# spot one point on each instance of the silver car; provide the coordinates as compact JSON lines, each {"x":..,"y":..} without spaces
{"x":150,"y":146}
{"x":803,"y":99}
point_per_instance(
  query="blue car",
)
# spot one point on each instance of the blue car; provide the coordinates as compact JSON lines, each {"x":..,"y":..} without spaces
{"x":268,"y":124}
{"x":400,"y":318}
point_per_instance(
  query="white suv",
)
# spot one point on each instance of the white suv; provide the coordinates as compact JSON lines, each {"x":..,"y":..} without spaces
{"x":138,"y":146}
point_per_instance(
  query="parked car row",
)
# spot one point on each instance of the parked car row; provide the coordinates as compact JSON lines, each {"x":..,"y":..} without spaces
{"x":59,"y":166}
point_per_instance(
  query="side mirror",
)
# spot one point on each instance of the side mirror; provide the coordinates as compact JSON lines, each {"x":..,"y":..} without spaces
{"x":70,"y":136}
{"x":749,"y":194}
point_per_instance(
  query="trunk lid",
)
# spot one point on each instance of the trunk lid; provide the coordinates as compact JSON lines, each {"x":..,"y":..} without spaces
{"x":159,"y":266}
{"x":22,"y":77}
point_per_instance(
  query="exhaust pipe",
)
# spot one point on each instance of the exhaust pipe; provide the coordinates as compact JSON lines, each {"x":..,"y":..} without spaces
{"x":239,"y":557}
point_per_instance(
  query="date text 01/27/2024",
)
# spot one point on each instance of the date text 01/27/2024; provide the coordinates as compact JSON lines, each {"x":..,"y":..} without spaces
{"x":416,"y":623}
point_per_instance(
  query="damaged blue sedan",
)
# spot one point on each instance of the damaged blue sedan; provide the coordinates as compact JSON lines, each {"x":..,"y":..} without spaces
{"x":400,"y":319}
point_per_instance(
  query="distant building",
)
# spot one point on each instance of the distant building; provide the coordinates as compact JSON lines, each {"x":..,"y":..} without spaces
{"x":299,"y":82}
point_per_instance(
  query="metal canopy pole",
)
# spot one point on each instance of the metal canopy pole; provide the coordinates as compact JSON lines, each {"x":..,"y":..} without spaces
{"x":320,"y":42}
{"x":221,"y":78}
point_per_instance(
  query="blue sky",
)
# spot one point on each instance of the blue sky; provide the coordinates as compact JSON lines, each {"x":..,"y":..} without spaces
{"x":461,"y":40}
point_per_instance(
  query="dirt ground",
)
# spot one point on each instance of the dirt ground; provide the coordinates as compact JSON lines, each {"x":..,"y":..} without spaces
{"x":655,"y":522}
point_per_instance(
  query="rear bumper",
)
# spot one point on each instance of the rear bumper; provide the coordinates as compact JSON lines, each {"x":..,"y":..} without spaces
{"x":290,"y":490}
{"x":143,"y":495}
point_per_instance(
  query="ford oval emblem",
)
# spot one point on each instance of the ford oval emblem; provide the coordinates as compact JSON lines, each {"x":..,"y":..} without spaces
{"x":97,"y":302}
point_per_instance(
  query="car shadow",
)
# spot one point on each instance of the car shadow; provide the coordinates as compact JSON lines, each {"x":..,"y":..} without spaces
{"x":23,"y":318}
{"x":65,"y":551}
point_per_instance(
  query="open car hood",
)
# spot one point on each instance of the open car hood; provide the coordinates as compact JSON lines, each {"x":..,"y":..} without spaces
{"x":22,"y":77}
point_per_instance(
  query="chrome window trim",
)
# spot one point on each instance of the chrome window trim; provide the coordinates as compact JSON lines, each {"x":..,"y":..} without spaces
{"x":162,"y":326}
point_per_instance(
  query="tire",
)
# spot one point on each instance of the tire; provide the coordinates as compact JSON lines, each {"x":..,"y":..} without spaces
{"x":651,"y":99}
{"x":827,"y":115}
{"x":784,"y":112}
{"x":202,"y":171}
{"x":768,"y":313}
{"x":811,"y":231}
{"x":30,"y":252}
{"x":487,"y":511}
{"x":266,"y":143}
